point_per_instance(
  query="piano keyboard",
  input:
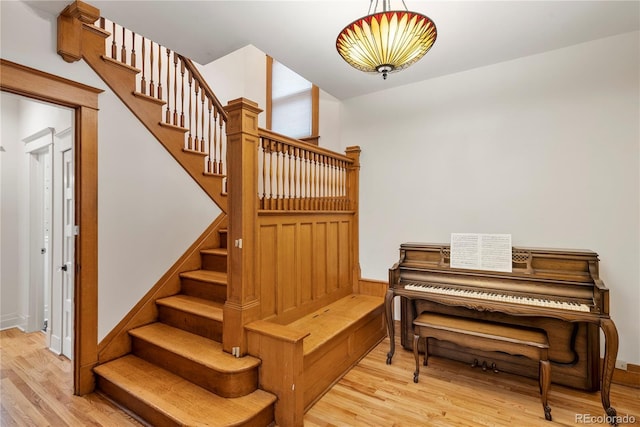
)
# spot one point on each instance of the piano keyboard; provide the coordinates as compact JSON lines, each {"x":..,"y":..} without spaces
{"x":493,"y":296}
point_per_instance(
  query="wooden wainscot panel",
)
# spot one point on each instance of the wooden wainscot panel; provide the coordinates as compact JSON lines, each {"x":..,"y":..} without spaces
{"x":288,"y":283}
{"x":333,"y":256}
{"x":306,"y":273}
{"x":320,"y":260}
{"x":305,"y":262}
{"x":267,"y":269}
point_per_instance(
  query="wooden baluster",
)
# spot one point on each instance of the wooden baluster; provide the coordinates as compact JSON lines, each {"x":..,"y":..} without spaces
{"x":333,"y":183}
{"x":307,"y":177}
{"x":123,"y":49}
{"x":152,"y":87}
{"x":190,"y":117}
{"x":313,"y":194}
{"x":202,"y":142}
{"x":143,"y":82}
{"x":102,"y":22}
{"x":323,"y":181}
{"x":133,"y":50}
{"x":195,"y":117}
{"x":279,"y":191}
{"x":272,"y":178}
{"x":296,"y":190}
{"x":159,"y":72}
{"x":114,"y":48}
{"x":220,"y":141}
{"x":215,"y":140}
{"x":167,"y":117}
{"x":210,"y":162}
{"x":175,"y":89}
{"x":264,"y":174}
{"x":288,"y":149}
{"x":182,"y":68}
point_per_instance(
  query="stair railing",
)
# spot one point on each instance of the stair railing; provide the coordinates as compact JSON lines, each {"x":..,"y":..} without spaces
{"x":296,"y":176}
{"x":173,"y":80}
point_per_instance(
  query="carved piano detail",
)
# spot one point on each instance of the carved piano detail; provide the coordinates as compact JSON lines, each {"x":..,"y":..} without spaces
{"x":555,"y":290}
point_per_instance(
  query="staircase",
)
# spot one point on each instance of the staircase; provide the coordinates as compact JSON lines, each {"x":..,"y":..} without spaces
{"x":177,"y":372}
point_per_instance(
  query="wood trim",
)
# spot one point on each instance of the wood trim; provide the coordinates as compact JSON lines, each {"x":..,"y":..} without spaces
{"x":315,"y":112}
{"x":42,"y":86}
{"x":118,"y":343}
{"x":376,"y":288}
{"x":269,"y":73}
{"x":46,"y":87}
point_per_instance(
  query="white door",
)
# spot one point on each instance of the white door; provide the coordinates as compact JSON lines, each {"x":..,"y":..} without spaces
{"x":38,"y":148}
{"x":68,"y":253}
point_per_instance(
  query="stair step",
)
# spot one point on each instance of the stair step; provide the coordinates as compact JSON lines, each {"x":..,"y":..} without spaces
{"x":196,"y":315}
{"x":163,"y":398}
{"x":207,"y":276}
{"x":197,"y":359}
{"x":215,"y":251}
{"x":214,"y":259}
{"x":205,"y":284}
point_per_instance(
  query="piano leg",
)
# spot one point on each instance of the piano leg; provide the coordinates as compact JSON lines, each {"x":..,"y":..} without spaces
{"x":388,"y":306}
{"x":610,"y":354}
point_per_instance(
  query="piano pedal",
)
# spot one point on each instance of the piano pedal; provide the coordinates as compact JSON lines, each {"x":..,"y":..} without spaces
{"x":494,"y":368}
{"x":474,"y":363}
{"x":484,"y":366}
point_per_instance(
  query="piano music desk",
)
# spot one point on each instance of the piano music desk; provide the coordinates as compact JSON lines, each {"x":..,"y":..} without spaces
{"x":486,"y":336}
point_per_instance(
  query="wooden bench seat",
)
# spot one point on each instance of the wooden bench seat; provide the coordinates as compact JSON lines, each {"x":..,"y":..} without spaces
{"x":317,"y":349}
{"x":485,"y":336}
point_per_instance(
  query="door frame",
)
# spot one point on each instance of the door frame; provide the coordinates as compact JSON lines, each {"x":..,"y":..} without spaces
{"x":83,"y":99}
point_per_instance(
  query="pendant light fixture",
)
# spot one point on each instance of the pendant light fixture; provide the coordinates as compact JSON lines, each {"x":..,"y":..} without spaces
{"x":386,"y":41}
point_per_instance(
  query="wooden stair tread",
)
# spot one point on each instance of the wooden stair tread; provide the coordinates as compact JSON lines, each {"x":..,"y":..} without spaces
{"x":179,"y":399}
{"x":214,"y":251}
{"x":194,"y":305}
{"x":206,"y":276}
{"x":202,"y":350}
{"x":327,"y":322}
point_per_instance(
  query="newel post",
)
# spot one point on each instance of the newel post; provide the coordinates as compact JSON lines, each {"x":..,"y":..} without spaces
{"x":242,"y":305}
{"x":70,"y":23}
{"x":353,"y":194}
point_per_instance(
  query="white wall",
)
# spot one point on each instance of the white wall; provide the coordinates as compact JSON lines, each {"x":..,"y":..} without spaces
{"x":243,"y":74}
{"x":545,"y":148}
{"x":11,"y":313}
{"x":150,"y":211}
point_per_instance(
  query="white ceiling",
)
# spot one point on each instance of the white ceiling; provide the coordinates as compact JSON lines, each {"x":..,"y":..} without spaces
{"x":302,"y":33}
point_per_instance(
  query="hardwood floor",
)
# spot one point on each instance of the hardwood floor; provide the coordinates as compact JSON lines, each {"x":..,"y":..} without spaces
{"x":36,"y":390}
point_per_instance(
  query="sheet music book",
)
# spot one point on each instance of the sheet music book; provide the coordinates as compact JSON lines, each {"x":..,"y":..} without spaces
{"x":481,"y":251}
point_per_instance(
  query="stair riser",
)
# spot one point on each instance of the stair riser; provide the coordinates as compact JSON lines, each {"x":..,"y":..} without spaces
{"x":223,"y":239}
{"x":223,"y":384}
{"x":152,"y":415}
{"x":191,"y":323}
{"x":211,"y":291}
{"x":214,"y":262}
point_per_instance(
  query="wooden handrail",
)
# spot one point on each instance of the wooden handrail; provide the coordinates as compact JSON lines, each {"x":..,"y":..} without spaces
{"x":203,"y":84}
{"x":269,"y":134}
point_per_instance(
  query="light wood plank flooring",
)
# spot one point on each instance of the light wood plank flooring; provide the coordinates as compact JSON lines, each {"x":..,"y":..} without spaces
{"x":36,"y":390}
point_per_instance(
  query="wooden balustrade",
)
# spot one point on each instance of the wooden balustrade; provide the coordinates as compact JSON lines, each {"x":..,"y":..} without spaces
{"x":189,"y":103}
{"x":295,"y":176}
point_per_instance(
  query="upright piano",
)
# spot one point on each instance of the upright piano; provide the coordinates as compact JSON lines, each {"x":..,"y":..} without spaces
{"x":558,"y":291}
